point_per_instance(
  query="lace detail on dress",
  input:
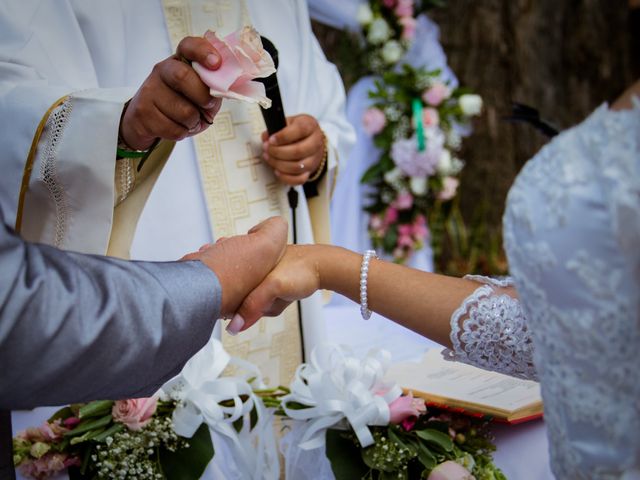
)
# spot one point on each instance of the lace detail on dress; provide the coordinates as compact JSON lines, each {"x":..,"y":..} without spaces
{"x":572,"y":236}
{"x":125,"y":178}
{"x":489,"y":330}
{"x":56,"y":124}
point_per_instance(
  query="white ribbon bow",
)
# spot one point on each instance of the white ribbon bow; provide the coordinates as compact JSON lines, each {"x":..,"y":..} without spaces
{"x":337,"y":386}
{"x":199,"y":391}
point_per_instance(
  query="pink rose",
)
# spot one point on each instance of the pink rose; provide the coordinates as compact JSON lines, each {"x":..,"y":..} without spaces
{"x":408,"y":27}
{"x":404,"y":407}
{"x":404,"y":201}
{"x":404,"y":8}
{"x":405,"y":241}
{"x":243,"y":59}
{"x":390,"y":216}
{"x":373,"y":121}
{"x":450,"y":470}
{"x":376,"y":222}
{"x":449,"y":188}
{"x":436,"y":94}
{"x":430,"y":117}
{"x":135,"y":413}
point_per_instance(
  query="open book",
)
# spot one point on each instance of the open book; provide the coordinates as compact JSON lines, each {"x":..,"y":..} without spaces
{"x":463,"y":388}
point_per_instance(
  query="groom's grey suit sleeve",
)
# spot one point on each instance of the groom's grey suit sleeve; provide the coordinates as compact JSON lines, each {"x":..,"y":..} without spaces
{"x":77,"y":327}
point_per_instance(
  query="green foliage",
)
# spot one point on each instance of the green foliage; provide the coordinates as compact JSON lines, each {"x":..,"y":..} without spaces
{"x":189,"y":463}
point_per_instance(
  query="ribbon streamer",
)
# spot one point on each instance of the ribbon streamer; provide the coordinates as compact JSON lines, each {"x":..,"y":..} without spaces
{"x":336,"y":386}
{"x":199,"y":391}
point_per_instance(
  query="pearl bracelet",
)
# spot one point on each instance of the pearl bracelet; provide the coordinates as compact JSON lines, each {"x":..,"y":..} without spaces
{"x":364,"y":272}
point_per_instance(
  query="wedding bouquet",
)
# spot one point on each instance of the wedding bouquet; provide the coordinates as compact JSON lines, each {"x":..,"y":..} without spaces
{"x":105,"y":439}
{"x":416,"y":121}
{"x":343,"y":413}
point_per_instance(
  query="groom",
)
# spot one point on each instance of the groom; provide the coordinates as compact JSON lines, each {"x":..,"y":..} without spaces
{"x":76,"y":327}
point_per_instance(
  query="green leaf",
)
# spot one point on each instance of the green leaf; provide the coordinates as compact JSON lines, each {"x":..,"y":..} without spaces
{"x":96,"y":409}
{"x":434,"y":437}
{"x":344,"y":456}
{"x":189,"y":463}
{"x":61,"y":414}
{"x":115,"y":428}
{"x":373,"y":172}
{"x":427,"y":459}
{"x":88,"y":425}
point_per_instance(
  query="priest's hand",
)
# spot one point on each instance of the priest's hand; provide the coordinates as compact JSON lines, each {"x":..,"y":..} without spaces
{"x":295,"y":153}
{"x":243,"y":261}
{"x":172,"y":103}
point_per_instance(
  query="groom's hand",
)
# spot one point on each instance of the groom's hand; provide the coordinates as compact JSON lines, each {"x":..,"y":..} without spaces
{"x":243,"y":261}
{"x":172,"y":103}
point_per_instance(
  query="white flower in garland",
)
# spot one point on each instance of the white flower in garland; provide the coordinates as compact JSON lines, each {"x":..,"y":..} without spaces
{"x":364,"y":16}
{"x":379,"y":31}
{"x":471,"y":104}
{"x":419,"y":185}
{"x":392,"y":51}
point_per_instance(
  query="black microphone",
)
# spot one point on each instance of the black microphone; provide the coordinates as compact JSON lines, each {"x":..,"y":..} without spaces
{"x":273,"y":117}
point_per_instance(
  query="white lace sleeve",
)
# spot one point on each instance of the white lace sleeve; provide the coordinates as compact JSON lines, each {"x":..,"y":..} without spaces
{"x":489,"y":330}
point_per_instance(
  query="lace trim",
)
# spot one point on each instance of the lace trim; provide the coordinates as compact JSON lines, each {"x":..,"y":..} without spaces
{"x":489,"y":330}
{"x":56,"y":125}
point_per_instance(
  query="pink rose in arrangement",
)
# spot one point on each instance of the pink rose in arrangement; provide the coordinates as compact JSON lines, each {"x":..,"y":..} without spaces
{"x":135,"y":413}
{"x":450,"y":470}
{"x":408,"y":25}
{"x":404,"y":201}
{"x":390,"y":216}
{"x":435,"y":95}
{"x":243,"y":59}
{"x":404,"y":407}
{"x":48,"y":465}
{"x":449,"y":188}
{"x":430,"y":117}
{"x":373,"y":121}
{"x":404,"y":8}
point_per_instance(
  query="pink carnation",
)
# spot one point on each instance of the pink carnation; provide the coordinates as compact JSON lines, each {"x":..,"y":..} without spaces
{"x":450,"y":470}
{"x":404,"y":407}
{"x":373,"y":121}
{"x":243,"y":59}
{"x":436,"y":94}
{"x":408,"y":27}
{"x":449,"y":188}
{"x":404,"y":8}
{"x":135,"y":413}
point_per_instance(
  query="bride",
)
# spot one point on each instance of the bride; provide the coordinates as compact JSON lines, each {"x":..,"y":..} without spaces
{"x":570,"y":314}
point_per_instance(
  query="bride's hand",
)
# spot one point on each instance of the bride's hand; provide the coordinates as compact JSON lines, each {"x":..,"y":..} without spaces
{"x":295,"y":277}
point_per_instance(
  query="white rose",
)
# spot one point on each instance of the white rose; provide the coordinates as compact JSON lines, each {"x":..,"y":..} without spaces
{"x":444,"y":163}
{"x":379,"y":31}
{"x":364,"y":15}
{"x":456,"y":166}
{"x":471,"y":104}
{"x":454,"y":140}
{"x":393,"y":176}
{"x":392,"y":51}
{"x":418,"y":185}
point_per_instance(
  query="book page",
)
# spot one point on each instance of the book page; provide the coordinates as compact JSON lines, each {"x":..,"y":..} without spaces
{"x":453,"y":380}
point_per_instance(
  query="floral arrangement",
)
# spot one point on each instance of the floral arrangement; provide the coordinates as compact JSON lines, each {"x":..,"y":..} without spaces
{"x":370,"y":429}
{"x":415,"y":120}
{"x":418,"y":443}
{"x":105,"y":439}
{"x":388,"y":28}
